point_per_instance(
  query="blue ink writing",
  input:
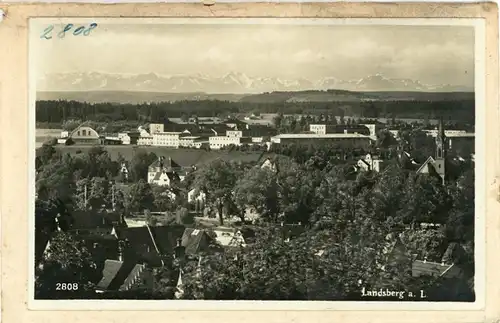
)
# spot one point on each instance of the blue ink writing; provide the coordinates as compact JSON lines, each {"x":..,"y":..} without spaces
{"x":46,"y":32}
{"x":80,"y":30}
{"x":62,"y":33}
{"x":88,"y":30}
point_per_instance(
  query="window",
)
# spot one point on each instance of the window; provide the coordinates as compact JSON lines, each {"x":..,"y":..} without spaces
{"x":84,"y":132}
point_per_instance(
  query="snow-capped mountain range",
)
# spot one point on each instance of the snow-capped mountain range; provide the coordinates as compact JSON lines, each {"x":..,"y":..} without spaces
{"x":233,"y":82}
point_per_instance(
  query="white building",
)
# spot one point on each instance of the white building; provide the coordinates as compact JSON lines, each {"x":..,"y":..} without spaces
{"x":156,"y":127}
{"x":218,"y":142}
{"x":163,"y":172}
{"x":369,"y":163}
{"x":124,"y":137}
{"x":318,"y":128}
{"x":447,"y":133}
{"x":200,"y":197}
{"x":351,"y":139}
{"x":145,"y":139}
{"x":166,"y":139}
{"x":189,"y":141}
{"x":229,"y":237}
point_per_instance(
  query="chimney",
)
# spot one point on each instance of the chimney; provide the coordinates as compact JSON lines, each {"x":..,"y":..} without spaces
{"x":120,"y":250}
{"x":179,"y":250}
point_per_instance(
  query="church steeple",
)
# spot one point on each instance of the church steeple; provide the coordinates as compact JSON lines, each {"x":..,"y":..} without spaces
{"x":440,"y":151}
{"x":440,"y":141}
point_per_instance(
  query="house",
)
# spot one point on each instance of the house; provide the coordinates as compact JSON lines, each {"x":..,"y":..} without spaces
{"x":269,"y":164}
{"x":219,"y":129}
{"x":89,"y":222}
{"x":121,"y":276}
{"x":164,"y":172}
{"x":369,"y":163}
{"x":229,"y":237}
{"x":233,"y":123}
{"x":85,"y":135}
{"x":151,"y":245}
{"x":124,"y":170}
{"x":198,"y":200}
{"x":197,"y":240}
{"x":125,"y":138}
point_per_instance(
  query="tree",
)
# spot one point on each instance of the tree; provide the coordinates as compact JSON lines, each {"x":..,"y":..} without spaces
{"x":184,"y":117}
{"x":162,"y":200}
{"x":316,"y":265}
{"x":55,"y":180}
{"x":296,"y":187}
{"x":258,"y":189}
{"x":141,"y":196}
{"x":277,"y":120}
{"x":66,"y":261}
{"x":217,"y":180}
{"x":139,"y":165}
{"x":385,"y":139}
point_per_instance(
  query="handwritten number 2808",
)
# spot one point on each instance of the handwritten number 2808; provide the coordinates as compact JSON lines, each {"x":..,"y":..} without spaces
{"x":82,"y":30}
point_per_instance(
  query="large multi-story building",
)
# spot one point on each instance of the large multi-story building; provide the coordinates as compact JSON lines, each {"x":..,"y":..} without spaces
{"x":167,"y":139}
{"x":323,"y":129}
{"x":219,"y":142}
{"x":342,"y":139}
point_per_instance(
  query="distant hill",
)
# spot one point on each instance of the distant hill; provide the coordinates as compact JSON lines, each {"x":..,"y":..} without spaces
{"x":133,"y":97}
{"x":136,"y":97}
{"x":351,"y":96}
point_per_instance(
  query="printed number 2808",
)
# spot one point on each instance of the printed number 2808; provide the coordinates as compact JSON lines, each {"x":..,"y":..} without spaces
{"x":83,"y":30}
{"x":67,"y":286}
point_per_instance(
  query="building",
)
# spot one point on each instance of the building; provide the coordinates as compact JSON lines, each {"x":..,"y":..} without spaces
{"x":233,"y":123}
{"x":437,"y":165}
{"x":342,"y":139}
{"x":129,"y":138}
{"x":370,"y":163}
{"x":229,"y":237}
{"x":144,"y":138}
{"x":219,"y":142}
{"x":85,"y":135}
{"x":156,"y":128}
{"x":323,"y":129}
{"x":164,"y":172}
{"x":189,"y":141}
{"x":167,"y":139}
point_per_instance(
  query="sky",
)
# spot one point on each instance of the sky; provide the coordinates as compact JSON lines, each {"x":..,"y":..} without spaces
{"x":429,"y":54}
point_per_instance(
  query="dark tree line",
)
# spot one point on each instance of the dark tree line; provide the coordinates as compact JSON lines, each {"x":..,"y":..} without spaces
{"x":60,"y":111}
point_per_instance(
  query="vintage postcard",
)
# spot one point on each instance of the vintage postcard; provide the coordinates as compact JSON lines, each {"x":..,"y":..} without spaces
{"x":222,"y":163}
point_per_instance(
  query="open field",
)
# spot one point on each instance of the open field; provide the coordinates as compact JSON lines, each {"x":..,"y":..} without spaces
{"x":184,"y":157}
{"x":44,"y":135}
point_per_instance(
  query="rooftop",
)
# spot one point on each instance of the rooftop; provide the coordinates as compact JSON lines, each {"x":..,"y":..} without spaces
{"x":328,"y":135}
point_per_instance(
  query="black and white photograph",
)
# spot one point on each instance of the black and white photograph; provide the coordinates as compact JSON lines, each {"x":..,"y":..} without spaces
{"x":255,"y":159}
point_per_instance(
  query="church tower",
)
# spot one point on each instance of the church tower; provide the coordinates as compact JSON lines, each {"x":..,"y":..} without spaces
{"x":440,"y":151}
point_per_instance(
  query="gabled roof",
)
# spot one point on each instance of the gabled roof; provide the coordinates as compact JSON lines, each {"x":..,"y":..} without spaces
{"x":119,"y":275}
{"x":166,"y":163}
{"x":195,"y":240}
{"x":235,"y":121}
{"x":88,"y":220}
{"x":429,"y":161}
{"x":426,"y":268}
{"x":150,"y":243}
